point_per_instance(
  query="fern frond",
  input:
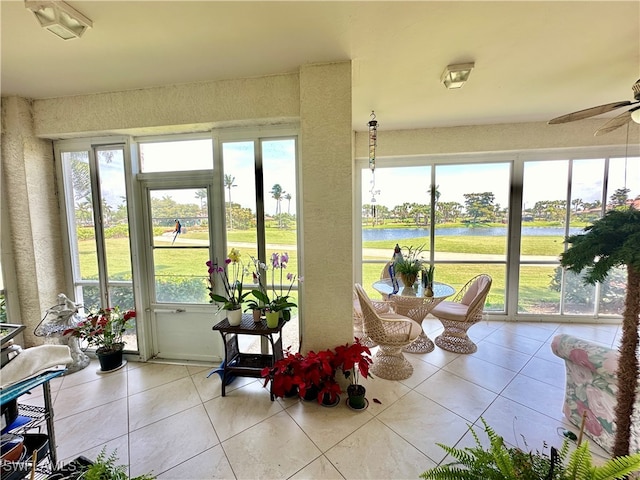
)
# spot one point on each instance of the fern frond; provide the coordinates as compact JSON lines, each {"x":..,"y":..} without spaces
{"x":462,"y":456}
{"x":617,"y":467}
{"x":447,"y":472}
{"x":579,"y":464}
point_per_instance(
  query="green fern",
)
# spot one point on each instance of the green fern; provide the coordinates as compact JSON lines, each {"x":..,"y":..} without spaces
{"x":580,"y":466}
{"x":500,"y":462}
{"x":105,"y":468}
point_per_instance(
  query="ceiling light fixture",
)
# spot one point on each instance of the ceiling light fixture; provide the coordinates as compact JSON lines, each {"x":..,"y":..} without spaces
{"x":454,"y":76}
{"x":59,"y":18}
{"x":635,"y":115}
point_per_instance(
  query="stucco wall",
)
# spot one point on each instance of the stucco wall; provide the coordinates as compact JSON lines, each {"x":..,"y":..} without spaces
{"x":29,"y":194}
{"x":177,"y":108}
{"x":327,"y":212}
{"x":493,"y":138}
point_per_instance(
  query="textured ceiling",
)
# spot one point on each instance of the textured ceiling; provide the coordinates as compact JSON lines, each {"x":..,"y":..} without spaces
{"x":534,"y":60}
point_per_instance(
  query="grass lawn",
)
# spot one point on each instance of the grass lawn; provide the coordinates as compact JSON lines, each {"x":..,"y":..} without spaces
{"x":189,"y":262}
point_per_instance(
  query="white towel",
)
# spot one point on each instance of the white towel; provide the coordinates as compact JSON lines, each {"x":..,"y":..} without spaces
{"x":32,"y":361}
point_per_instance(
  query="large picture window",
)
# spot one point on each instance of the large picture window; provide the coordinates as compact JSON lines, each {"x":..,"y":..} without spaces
{"x":461,"y":212}
{"x":99,"y":235}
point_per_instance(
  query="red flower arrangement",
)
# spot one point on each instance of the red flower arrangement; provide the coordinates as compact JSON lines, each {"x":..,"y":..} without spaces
{"x":103,"y":329}
{"x":316,"y":372}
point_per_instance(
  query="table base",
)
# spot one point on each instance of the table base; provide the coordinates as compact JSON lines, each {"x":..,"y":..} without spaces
{"x":423,"y":344}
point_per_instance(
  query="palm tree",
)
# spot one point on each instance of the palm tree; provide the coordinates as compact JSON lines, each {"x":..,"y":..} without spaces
{"x":288,"y":197}
{"x":228,"y":184}
{"x":612,"y":241}
{"x":276,"y":193}
{"x":202,"y":195}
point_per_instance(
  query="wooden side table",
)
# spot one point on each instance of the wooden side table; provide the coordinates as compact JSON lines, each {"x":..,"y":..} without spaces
{"x":248,"y":364}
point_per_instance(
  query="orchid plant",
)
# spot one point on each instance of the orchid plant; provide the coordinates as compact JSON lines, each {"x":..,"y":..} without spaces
{"x":279,"y":300}
{"x":231,"y":275}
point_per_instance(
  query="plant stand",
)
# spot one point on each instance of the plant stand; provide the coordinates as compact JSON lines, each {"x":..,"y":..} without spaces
{"x":247,"y":364}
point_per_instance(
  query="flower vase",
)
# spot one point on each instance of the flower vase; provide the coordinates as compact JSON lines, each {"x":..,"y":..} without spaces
{"x":234,"y":317}
{"x":257,"y":315}
{"x":273,"y":318}
{"x":428,"y":291}
{"x":408,"y":279}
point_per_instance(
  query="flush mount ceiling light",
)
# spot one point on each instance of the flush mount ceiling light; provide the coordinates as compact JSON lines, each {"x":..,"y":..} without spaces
{"x":59,"y":18}
{"x":454,"y":76}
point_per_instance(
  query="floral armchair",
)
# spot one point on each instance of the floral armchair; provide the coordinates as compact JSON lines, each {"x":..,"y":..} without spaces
{"x":591,"y":388}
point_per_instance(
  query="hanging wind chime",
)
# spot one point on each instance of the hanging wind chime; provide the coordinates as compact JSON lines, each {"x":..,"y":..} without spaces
{"x":373,"y":142}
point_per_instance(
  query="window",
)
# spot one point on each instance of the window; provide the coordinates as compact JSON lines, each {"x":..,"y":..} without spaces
{"x":259,"y":183}
{"x":468,"y":230}
{"x":98,"y":220}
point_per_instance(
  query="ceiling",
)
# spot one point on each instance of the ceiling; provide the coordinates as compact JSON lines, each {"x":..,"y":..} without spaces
{"x":533,"y":60}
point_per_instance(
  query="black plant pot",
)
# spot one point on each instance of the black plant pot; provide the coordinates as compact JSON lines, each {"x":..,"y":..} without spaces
{"x":311,"y":394}
{"x":326,"y":400}
{"x":357,"y":399}
{"x":292,"y":392}
{"x":110,"y":359}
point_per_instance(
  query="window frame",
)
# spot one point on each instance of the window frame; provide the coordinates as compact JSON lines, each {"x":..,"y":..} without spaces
{"x":513,"y":257}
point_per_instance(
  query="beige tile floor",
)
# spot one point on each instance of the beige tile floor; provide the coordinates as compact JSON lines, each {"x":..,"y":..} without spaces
{"x":172,"y":420}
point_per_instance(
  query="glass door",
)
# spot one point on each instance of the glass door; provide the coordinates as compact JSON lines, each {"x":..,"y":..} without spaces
{"x":178,"y":247}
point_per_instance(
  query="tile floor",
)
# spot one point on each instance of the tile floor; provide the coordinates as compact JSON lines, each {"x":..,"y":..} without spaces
{"x":171,"y":419}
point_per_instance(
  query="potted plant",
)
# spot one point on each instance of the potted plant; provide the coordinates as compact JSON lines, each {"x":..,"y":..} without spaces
{"x":427,"y":280}
{"x":612,"y":241}
{"x":318,"y":372}
{"x":104,"y":329}
{"x":279,"y":305}
{"x":354,"y":360}
{"x":285,"y":375}
{"x":103,"y":468}
{"x":232,"y":285}
{"x":500,"y":461}
{"x":408,"y":266}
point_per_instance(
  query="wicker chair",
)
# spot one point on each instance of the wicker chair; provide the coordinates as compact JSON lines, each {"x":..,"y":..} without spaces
{"x":459,"y":314}
{"x":358,"y":318}
{"x":392,"y":333}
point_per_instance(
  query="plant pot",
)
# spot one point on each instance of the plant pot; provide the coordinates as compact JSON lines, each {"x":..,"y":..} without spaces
{"x":292,"y":392}
{"x":257,"y":315}
{"x":273,"y":318}
{"x":311,"y":394}
{"x":110,"y":359}
{"x":234,"y":317}
{"x":326,"y":400}
{"x":408,"y":279}
{"x":356,"y":400}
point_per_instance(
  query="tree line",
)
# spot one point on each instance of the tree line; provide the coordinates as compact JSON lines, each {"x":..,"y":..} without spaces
{"x":481,"y":208}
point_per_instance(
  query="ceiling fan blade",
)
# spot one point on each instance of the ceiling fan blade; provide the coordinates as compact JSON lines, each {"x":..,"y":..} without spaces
{"x":589,"y":112}
{"x":615,"y":122}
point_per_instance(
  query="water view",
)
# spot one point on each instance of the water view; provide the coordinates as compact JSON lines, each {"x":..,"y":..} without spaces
{"x":400,"y":233}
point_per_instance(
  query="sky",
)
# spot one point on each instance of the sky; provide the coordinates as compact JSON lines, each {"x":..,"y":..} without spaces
{"x":543,"y":180}
{"x":278,"y":157}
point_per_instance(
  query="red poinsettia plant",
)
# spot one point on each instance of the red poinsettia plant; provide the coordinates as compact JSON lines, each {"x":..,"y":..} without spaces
{"x":285,"y":374}
{"x":354,"y":360}
{"x":315,"y":373}
{"x":103,"y":329}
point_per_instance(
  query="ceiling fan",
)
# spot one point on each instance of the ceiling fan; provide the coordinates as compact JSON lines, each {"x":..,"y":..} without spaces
{"x":612,"y":124}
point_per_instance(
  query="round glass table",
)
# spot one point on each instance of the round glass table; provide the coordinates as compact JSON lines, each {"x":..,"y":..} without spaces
{"x":412,"y":302}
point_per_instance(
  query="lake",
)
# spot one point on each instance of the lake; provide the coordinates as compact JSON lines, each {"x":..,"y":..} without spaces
{"x":400,"y":233}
